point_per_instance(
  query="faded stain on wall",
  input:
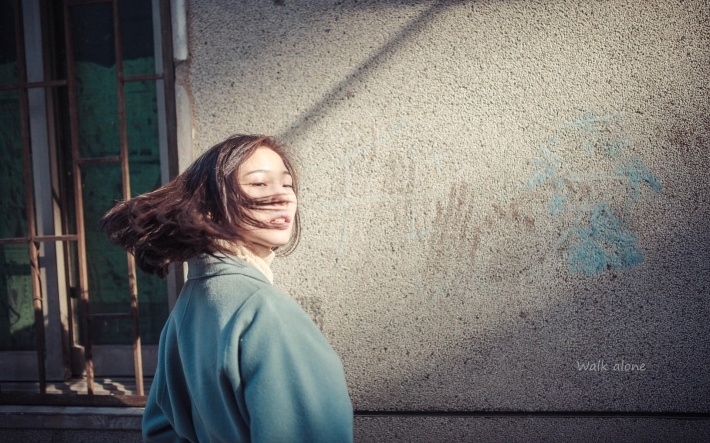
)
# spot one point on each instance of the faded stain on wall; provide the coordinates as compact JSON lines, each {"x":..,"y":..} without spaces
{"x":347,"y":160}
{"x":453,"y":245}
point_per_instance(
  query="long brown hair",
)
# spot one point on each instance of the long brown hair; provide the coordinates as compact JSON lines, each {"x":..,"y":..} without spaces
{"x":195,"y":212}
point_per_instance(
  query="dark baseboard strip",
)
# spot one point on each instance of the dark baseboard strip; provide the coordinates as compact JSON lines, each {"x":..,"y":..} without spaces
{"x":540,"y":414}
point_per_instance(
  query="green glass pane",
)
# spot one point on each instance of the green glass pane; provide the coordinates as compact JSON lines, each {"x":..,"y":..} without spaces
{"x":142,"y":136}
{"x":106,"y":264}
{"x":17,"y":331}
{"x":13,"y":222}
{"x":97,"y":110}
{"x":95,"y":70}
{"x":137,"y":37}
{"x":8,"y":47}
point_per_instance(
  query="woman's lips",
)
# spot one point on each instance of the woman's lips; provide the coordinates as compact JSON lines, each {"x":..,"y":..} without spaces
{"x":281,"y":221}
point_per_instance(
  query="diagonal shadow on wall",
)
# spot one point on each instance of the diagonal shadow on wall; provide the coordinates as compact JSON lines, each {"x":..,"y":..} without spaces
{"x":310,"y":116}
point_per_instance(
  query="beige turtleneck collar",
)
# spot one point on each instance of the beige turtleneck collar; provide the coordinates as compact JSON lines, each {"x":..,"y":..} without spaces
{"x":261,"y":264}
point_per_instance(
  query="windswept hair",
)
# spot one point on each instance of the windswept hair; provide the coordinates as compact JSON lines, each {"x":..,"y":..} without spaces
{"x":198,"y":212}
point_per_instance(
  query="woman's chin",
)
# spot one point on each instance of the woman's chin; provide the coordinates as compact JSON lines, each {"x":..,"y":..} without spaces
{"x":263,"y":246}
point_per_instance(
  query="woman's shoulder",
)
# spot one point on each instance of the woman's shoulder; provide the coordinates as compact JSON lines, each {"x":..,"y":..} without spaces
{"x":271,"y":302}
{"x":230,"y":283}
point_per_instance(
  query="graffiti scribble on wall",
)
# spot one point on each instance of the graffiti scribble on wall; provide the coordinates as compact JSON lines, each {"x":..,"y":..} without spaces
{"x":590,"y":177}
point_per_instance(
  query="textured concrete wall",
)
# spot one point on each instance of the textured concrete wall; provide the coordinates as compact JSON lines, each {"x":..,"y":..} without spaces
{"x":505,"y":202}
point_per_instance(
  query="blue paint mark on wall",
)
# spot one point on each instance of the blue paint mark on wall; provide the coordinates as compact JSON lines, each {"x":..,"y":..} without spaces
{"x":637,"y":174}
{"x":548,"y":166}
{"x":588,"y":129}
{"x":615,"y":148}
{"x":557,"y":204}
{"x":605,"y":244}
{"x":600,"y":239}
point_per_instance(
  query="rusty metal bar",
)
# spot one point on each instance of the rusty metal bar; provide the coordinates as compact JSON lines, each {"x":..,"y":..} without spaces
{"x":46,"y":84}
{"x":78,"y":200}
{"x":37,"y":301}
{"x":96,"y":160}
{"x":113,"y":316}
{"x":126,"y":182}
{"x":141,"y":78}
{"x":85,"y":2}
{"x":48,"y":238}
{"x":37,"y":238}
{"x":14,"y":240}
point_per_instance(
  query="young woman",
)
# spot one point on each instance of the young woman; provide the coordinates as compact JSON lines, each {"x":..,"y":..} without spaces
{"x":238,"y":361}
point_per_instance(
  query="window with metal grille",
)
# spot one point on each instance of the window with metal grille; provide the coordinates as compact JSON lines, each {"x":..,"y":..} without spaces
{"x":86,"y":118}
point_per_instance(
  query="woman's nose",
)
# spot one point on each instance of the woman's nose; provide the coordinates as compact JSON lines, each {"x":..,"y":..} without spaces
{"x":284,"y":199}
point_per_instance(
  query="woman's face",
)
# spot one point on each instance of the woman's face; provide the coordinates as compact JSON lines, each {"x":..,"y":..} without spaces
{"x":263,"y":176}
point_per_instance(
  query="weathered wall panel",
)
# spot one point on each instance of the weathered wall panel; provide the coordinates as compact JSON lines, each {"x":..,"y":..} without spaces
{"x":498,"y":196}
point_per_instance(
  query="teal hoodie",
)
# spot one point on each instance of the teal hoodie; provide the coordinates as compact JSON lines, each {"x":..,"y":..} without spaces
{"x":239,"y":361}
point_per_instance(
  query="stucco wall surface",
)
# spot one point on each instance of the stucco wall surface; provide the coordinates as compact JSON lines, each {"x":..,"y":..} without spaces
{"x":505,"y":203}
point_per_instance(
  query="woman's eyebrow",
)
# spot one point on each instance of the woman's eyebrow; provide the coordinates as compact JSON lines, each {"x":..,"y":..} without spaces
{"x":257,"y":171}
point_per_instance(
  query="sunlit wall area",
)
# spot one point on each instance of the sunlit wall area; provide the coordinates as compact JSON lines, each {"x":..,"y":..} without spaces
{"x":505,"y":203}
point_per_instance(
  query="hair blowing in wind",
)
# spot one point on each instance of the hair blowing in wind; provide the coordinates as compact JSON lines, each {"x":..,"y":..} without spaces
{"x":201,"y":211}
